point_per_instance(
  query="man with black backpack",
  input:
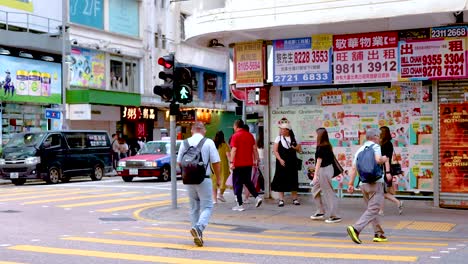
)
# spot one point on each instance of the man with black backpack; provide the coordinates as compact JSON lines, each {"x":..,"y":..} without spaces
{"x":367,"y":162}
{"x":194,"y":157}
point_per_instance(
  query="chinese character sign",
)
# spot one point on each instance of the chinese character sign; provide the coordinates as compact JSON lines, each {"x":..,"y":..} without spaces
{"x":136,"y":113}
{"x":432,"y":59}
{"x":363,"y":58}
{"x":302,"y":60}
{"x":249,"y":63}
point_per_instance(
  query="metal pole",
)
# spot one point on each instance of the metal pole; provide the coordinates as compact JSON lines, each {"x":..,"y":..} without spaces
{"x":172,"y":134}
{"x":244,"y":109}
{"x":266,"y":151}
{"x":64,"y":63}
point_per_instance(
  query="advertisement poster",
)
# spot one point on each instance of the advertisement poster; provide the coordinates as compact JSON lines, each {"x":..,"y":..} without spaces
{"x":433,"y":59}
{"x":302,"y":60}
{"x":453,"y":148}
{"x":26,"y":80}
{"x":366,"y":57}
{"x":249,"y":61}
{"x":88,"y":69}
{"x":347,"y":124}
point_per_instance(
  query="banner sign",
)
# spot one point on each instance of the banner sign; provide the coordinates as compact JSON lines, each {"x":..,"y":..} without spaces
{"x":249,"y":63}
{"x":432,"y":59}
{"x":453,"y":150}
{"x":302,"y":60}
{"x":88,"y":69}
{"x":365,"y":58}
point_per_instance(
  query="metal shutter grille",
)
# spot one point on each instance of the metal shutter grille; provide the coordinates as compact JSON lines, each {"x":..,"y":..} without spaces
{"x":451,"y":91}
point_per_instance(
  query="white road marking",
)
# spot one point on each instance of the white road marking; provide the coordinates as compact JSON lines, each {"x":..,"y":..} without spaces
{"x":115,"y":214}
{"x":91,"y":232}
{"x":435,"y":257}
{"x":5,"y":245}
{"x":68,"y":209}
{"x":115,"y":229}
{"x":461,"y":245}
{"x":452,"y":248}
{"x":91,"y":211}
{"x":444,"y":251}
{"x":45,"y":206}
{"x":65,"y":235}
{"x":35,"y":240}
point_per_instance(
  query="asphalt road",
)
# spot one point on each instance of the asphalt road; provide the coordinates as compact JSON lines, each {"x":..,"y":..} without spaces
{"x":116,"y":222}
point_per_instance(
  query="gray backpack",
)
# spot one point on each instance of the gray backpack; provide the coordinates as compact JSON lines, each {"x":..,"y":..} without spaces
{"x":192,"y":166}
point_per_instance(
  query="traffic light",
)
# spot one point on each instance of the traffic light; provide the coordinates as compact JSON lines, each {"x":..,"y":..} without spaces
{"x":183,"y":85}
{"x":166,"y":90}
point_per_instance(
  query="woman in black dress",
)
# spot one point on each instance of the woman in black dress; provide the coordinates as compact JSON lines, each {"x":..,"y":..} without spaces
{"x":286,"y":175}
{"x":387,"y":150}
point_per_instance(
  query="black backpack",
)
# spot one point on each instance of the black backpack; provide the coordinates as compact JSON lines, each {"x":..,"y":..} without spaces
{"x":192,"y":166}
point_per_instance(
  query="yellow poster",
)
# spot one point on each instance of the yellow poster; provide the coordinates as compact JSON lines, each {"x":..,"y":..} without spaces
{"x":249,"y":64}
{"x":322,"y":41}
{"x":25,"y":5}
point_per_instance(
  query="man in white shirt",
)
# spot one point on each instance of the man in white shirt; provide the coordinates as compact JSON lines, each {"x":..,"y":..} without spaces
{"x":200,"y":199}
{"x":373,"y":193}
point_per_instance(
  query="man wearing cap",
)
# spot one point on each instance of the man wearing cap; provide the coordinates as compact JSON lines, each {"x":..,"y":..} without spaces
{"x":373,"y":193}
{"x":200,"y":198}
{"x":244,"y":155}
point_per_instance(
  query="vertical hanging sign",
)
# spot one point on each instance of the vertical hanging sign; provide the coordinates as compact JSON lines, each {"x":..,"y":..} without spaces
{"x":302,"y":60}
{"x":249,"y":63}
{"x":365,"y":58}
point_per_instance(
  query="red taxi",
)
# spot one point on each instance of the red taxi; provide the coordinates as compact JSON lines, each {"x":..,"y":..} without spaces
{"x":153,"y":160}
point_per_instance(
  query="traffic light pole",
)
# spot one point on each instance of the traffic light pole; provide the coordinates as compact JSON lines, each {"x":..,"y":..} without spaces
{"x":172,"y":126}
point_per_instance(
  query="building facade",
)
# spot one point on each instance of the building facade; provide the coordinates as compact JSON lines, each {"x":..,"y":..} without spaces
{"x":353,"y":65}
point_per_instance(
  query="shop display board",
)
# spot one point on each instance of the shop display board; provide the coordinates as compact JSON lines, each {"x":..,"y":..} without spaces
{"x":249,"y":64}
{"x":453,"y":144}
{"x":302,"y":61}
{"x":410,"y":123}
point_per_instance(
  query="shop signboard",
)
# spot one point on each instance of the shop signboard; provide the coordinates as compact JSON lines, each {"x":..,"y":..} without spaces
{"x":453,"y":148}
{"x":410,"y":125}
{"x":87,"y":12}
{"x":250,"y":96}
{"x":123,"y":17}
{"x":138,"y":113}
{"x":365,"y":58}
{"x":434,"y":59}
{"x":249,"y":61}
{"x":302,"y":61}
{"x":88,"y":68}
{"x":26,"y":80}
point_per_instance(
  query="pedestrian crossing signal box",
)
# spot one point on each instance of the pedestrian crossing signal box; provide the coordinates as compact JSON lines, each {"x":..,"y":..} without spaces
{"x":166,"y":90}
{"x":183,"y":86}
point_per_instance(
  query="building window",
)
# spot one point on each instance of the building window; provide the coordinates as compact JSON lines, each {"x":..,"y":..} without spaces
{"x":124,"y":74}
{"x":183,"y":17}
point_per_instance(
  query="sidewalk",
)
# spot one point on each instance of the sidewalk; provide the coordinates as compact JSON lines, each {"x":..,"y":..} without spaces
{"x":418,"y":216}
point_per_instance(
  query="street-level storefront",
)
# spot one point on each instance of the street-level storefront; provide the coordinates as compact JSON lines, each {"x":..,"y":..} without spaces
{"x":29,"y":88}
{"x":395,"y":78}
{"x":138,"y":122}
{"x":93,"y":117}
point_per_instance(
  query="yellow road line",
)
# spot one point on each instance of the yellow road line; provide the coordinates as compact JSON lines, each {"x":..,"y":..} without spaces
{"x":382,"y":246}
{"x":35,"y":192}
{"x":133,"y":206}
{"x":8,"y":262}
{"x":288,"y":232}
{"x":80,"y":197}
{"x":115,"y":200}
{"x":421,"y":238}
{"x":293,"y":237}
{"x":113,"y":255}
{"x":21,"y":191}
{"x":246,"y":250}
{"x":46,"y":195}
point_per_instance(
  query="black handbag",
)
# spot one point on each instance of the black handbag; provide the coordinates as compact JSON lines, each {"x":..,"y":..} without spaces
{"x":299,"y":164}
{"x":337,"y":169}
{"x":395,"y":169}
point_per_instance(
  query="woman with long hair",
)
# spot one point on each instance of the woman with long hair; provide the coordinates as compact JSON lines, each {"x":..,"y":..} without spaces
{"x":322,"y":190}
{"x":387,"y":150}
{"x":286,"y":175}
{"x":224,"y":152}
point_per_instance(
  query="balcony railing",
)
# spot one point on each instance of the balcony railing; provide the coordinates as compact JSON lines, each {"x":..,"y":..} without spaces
{"x":24,"y":22}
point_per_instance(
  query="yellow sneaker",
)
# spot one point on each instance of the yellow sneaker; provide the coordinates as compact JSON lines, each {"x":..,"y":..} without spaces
{"x":380,"y":238}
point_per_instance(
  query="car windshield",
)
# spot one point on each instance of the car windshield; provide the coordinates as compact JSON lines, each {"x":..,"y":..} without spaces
{"x":25,"y":140}
{"x":156,"y":147}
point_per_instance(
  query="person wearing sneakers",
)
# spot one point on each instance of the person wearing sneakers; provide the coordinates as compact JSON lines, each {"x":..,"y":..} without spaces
{"x":373,"y":192}
{"x":243,"y":156}
{"x":322,"y":190}
{"x":224,"y":152}
{"x":200,"y":199}
{"x":286,"y":176}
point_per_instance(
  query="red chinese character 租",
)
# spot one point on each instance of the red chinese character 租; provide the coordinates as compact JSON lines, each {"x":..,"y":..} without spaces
{"x":456,"y":45}
{"x":389,"y":54}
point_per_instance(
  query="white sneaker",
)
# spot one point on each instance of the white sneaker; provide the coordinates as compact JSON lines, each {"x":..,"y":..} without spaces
{"x":258,"y":201}
{"x":239,"y":208}
{"x":221,"y":198}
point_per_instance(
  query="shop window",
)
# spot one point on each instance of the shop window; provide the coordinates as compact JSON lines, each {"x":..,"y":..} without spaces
{"x":76,"y":140}
{"x":124,"y":75}
{"x":17,"y":118}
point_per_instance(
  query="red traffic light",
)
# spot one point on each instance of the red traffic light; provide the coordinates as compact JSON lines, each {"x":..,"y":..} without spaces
{"x":166,"y":61}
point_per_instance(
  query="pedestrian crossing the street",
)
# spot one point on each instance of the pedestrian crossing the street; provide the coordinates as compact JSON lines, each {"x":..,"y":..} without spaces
{"x":172,"y":243}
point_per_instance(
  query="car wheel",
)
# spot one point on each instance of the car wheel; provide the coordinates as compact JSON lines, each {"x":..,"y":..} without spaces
{"x":127,"y":179}
{"x":54,"y":175}
{"x":165,"y":173}
{"x":98,"y":173}
{"x":18,"y":182}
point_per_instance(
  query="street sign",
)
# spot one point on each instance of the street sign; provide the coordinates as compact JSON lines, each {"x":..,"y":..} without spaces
{"x":52,"y":114}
